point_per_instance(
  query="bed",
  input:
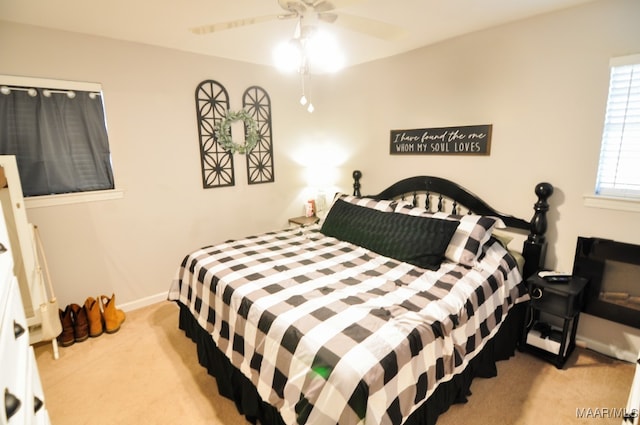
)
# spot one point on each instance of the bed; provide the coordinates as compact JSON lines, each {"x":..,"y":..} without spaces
{"x":382,"y":313}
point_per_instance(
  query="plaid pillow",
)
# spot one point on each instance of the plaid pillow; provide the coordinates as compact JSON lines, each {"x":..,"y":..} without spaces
{"x":467,"y":241}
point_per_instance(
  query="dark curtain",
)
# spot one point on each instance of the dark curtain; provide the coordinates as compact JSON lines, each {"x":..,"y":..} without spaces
{"x":60,"y":143}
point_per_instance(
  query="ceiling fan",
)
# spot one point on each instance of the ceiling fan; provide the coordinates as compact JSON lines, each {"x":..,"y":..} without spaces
{"x":323,"y":11}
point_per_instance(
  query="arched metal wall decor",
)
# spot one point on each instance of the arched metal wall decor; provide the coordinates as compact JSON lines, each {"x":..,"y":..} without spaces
{"x":212,"y":104}
{"x":257,"y":103}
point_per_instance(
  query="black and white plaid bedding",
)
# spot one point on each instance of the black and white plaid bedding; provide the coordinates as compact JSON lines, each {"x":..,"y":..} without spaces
{"x":331,"y":333}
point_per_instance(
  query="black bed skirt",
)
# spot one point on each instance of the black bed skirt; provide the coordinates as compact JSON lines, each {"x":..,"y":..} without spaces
{"x":235,"y":386}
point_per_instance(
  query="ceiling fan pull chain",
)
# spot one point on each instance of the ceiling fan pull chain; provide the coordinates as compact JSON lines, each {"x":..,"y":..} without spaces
{"x":304,"y":100}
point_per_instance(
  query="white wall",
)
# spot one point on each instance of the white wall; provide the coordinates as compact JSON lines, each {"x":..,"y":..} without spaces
{"x":133,"y":246}
{"x":541,"y":82}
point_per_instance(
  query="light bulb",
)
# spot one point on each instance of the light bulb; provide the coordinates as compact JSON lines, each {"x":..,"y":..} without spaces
{"x":324,"y":53}
{"x":310,"y":108}
{"x":5,"y":90}
{"x":303,"y":100}
{"x":287,"y":56}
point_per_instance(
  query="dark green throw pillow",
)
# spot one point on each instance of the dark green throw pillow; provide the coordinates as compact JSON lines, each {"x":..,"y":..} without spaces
{"x":420,"y":241}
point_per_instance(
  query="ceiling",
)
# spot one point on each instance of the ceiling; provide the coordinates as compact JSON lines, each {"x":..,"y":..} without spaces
{"x":167,"y":23}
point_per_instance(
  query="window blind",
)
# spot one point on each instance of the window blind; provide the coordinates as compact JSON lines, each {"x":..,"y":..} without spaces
{"x":619,"y":168}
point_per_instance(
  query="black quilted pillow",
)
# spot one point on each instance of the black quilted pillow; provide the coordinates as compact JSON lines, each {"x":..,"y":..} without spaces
{"x":416,"y":240}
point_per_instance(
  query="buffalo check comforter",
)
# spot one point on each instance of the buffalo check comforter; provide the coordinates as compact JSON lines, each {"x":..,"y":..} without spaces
{"x":332,"y":333}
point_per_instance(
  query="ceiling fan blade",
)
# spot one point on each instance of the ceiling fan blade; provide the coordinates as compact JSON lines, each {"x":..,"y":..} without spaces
{"x":293,"y":6}
{"x":338,"y":4}
{"x":327,"y":17}
{"x":320,"y":6}
{"x":371,"y":27}
{"x":323,"y":6}
{"x":223,"y":26}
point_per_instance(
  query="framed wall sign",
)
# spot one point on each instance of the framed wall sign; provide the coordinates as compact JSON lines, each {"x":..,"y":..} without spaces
{"x":463,"y":140}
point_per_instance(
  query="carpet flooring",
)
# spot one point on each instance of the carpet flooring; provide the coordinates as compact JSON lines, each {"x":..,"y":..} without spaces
{"x":148,"y":373}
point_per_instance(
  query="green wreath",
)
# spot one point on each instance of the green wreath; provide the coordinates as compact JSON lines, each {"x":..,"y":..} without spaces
{"x":223,"y":132}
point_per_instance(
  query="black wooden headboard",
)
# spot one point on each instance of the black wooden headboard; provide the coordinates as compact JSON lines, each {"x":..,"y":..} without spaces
{"x":443,"y":191}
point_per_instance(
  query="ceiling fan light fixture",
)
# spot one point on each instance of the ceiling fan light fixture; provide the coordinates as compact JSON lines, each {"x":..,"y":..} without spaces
{"x":318,"y":53}
{"x":311,"y":49}
{"x":323,"y":53}
{"x":287,"y":56}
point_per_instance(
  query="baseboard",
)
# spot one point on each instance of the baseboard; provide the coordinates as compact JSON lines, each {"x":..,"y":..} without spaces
{"x":607,"y":350}
{"x":143,"y":302}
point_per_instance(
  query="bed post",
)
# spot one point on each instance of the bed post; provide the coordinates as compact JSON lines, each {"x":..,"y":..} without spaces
{"x":356,"y":182}
{"x":535,"y":247}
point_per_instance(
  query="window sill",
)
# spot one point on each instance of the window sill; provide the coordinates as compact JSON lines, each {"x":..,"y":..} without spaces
{"x":72,"y":198}
{"x":611,"y":203}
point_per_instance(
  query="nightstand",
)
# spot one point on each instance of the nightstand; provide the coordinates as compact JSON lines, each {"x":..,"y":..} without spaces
{"x":304,"y":220}
{"x":552,"y":318}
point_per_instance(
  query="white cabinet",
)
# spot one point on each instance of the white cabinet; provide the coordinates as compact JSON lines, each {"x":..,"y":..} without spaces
{"x":20,"y":232}
{"x":23,"y":398}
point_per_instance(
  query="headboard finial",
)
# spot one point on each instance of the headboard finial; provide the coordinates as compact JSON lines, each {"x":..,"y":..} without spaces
{"x":356,"y":182}
{"x":535,"y":247}
{"x":544,"y":190}
{"x":539,"y":220}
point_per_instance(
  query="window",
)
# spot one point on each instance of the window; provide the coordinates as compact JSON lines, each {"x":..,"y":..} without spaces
{"x":619,"y":169}
{"x":57,"y":131}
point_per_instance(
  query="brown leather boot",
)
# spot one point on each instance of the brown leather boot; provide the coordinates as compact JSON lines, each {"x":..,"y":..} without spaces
{"x":66,"y":337}
{"x":94,"y":315}
{"x":113,"y":317}
{"x":80,"y":323}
